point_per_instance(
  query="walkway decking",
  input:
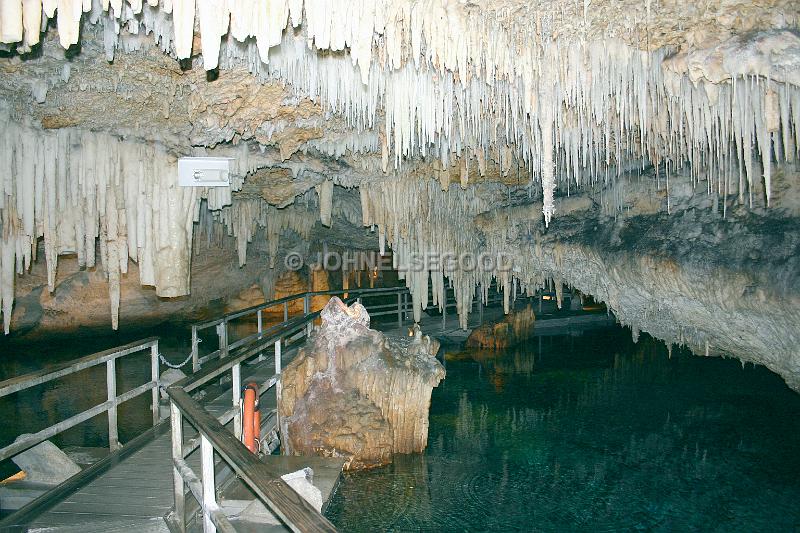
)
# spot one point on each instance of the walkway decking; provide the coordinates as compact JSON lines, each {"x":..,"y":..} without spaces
{"x":131,"y":496}
{"x":136,"y":493}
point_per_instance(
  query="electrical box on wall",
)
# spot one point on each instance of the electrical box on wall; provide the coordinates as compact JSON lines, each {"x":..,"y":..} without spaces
{"x":204,"y":171}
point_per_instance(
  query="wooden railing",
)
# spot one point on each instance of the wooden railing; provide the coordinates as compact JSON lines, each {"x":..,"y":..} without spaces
{"x":109,"y":357}
{"x":401,"y":309}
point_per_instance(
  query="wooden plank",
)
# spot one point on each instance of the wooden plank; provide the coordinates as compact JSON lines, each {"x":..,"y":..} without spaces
{"x":83,"y":523}
{"x":102,"y":508}
{"x":119,"y":493}
{"x":38,"y":508}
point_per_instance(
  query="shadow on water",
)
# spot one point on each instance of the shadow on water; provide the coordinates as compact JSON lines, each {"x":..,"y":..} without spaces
{"x":592,"y":433}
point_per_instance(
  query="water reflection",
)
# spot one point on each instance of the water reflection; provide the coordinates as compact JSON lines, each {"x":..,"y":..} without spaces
{"x":592,"y":433}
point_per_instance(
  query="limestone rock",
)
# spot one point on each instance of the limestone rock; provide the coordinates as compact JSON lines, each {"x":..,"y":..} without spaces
{"x":355,"y":393}
{"x":45,"y":463}
{"x":288,"y":283}
{"x":249,"y":297}
{"x":514,"y":328}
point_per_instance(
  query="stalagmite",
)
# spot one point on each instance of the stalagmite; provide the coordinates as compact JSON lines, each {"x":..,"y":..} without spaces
{"x":355,"y":393}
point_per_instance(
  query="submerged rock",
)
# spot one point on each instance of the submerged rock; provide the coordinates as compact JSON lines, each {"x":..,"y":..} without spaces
{"x":515,"y":327}
{"x":355,"y":393}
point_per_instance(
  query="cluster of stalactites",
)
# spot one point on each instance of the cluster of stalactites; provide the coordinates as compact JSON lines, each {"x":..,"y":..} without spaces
{"x":574,"y":115}
{"x":245,"y":216}
{"x":76,"y":190}
{"x":571,"y":112}
{"x":433,"y":241}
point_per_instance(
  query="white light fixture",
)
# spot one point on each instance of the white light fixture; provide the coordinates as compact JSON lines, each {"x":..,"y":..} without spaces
{"x":204,"y":171}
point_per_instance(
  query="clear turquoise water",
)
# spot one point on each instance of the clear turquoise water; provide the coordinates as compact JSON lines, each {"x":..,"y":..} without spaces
{"x":592,"y":433}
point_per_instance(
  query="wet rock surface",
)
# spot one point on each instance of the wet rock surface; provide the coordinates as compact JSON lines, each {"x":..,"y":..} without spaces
{"x":45,"y":463}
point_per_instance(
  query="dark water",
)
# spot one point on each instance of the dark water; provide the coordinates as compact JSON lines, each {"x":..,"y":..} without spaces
{"x":592,"y":433}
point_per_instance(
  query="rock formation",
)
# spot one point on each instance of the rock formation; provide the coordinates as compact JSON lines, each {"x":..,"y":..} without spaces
{"x":45,"y":463}
{"x":356,"y":393}
{"x":512,"y":329}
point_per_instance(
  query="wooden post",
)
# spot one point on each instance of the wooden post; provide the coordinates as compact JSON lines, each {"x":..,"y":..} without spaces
{"x":236,"y":384}
{"x":111,"y":389}
{"x":209,"y":490}
{"x":306,"y":309}
{"x":278,"y":385}
{"x":155,"y":372}
{"x":444,"y":310}
{"x":285,"y":311}
{"x":399,"y":310}
{"x":260,"y":330}
{"x":222,"y":333}
{"x":176,"y":423}
{"x":195,"y":350}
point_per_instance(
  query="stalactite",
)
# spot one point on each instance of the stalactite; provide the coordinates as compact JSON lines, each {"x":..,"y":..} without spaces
{"x":410,"y":83}
{"x":417,"y":219}
{"x":77,"y":190}
{"x":325,"y":190}
{"x":568,"y":109}
{"x":244,"y":216}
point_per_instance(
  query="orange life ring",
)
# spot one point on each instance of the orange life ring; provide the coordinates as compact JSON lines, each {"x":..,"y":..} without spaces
{"x":251,"y":418}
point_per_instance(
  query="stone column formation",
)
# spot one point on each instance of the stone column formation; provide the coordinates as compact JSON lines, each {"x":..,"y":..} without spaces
{"x":356,"y":393}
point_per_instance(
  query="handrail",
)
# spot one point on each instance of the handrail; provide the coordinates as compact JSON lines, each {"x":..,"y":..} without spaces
{"x":264,"y":480}
{"x":113,"y":400}
{"x":44,"y":375}
{"x":221,"y":323}
{"x":310,"y":294}
{"x":214,"y":438}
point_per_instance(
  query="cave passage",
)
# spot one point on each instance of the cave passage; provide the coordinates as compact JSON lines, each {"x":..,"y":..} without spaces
{"x":591,"y":432}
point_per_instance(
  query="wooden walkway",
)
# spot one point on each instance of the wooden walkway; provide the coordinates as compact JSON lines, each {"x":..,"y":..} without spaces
{"x":131,"y":496}
{"x":135,"y":494}
{"x":133,"y":491}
